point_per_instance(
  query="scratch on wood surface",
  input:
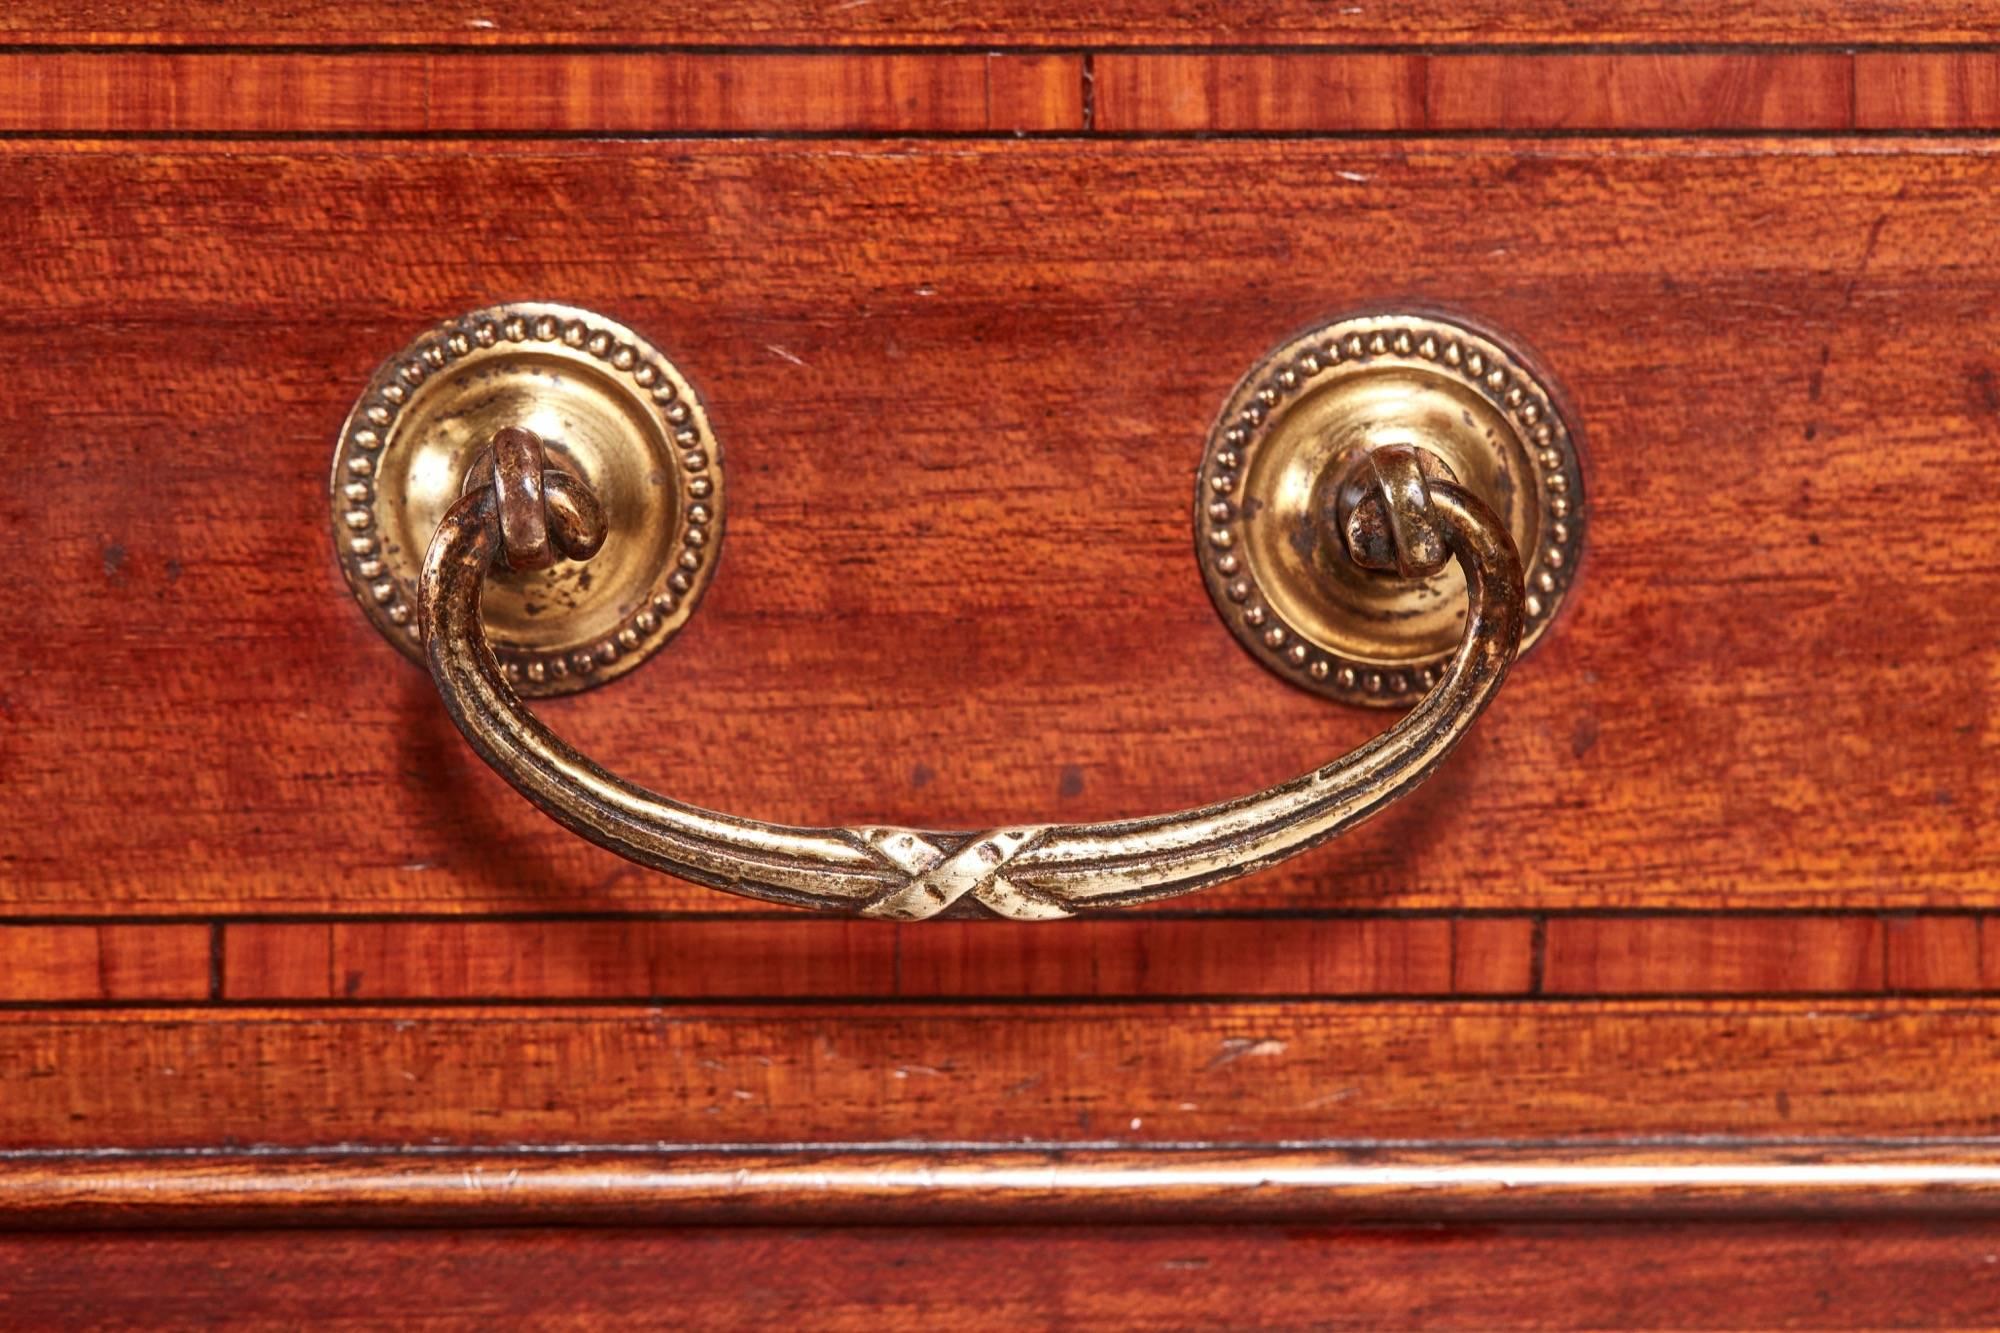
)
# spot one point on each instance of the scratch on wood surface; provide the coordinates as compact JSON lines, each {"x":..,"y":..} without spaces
{"x":1235,"y":1048}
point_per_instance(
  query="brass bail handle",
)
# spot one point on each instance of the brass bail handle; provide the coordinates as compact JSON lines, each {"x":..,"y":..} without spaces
{"x":1394,"y":508}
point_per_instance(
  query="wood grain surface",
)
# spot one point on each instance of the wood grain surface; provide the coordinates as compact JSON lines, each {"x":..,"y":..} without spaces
{"x":1676,"y":92}
{"x":159,"y":92}
{"x":1710,"y":891}
{"x":1688,"y":1275}
{"x":1928,"y":90}
{"x":1746,"y":706}
{"x":996,"y":22}
{"x":1699,"y":1070}
{"x":293,"y":92}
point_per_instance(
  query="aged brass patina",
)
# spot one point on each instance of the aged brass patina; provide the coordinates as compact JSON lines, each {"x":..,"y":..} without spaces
{"x":1402,"y":509}
{"x":560,"y":477}
{"x":613,"y":413}
{"x":1279,"y":481}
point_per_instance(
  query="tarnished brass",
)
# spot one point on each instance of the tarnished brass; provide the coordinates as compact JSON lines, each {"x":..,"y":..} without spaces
{"x":1285,"y":463}
{"x":1019,"y":872}
{"x":614,"y":414}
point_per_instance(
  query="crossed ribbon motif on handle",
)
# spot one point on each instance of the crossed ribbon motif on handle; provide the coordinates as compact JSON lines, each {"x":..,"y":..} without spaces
{"x":937,"y":878}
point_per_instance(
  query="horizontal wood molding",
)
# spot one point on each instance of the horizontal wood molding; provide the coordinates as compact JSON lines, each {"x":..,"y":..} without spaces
{"x":592,"y":92}
{"x":1110,"y":1075}
{"x":860,"y":1185}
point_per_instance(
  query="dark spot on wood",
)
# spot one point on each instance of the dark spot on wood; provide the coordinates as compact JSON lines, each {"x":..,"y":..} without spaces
{"x":1988,"y":386}
{"x":351,"y":983}
{"x":114,"y":564}
{"x":1943,"y":797}
{"x":1071,"y":781}
{"x":922,"y":776}
{"x":173,"y":571}
{"x":1584,"y":738}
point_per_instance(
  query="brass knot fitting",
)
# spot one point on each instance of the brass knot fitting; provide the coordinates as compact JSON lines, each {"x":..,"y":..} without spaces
{"x":545,"y":512}
{"x":1380,"y":504}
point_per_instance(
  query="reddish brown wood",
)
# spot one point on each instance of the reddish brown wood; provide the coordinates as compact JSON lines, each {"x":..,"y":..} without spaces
{"x":857,"y":1187}
{"x":65,"y":92}
{"x":1034,"y":92}
{"x":1015,"y":22}
{"x":570,"y":959}
{"x":1130,"y":1073}
{"x":1259,"y":92}
{"x":1133,"y":92}
{"x":1927,"y":90}
{"x":1139,"y":956}
{"x":1781,"y":724}
{"x":109,"y":962}
{"x":961,"y":386}
{"x":755,"y":957}
{"x":1600,"y":956}
{"x":803,"y":958}
{"x":1934,"y":953}
{"x":1493,"y":955}
{"x":1909,"y":1274}
{"x":1340,"y":91}
{"x":1669,"y":92}
{"x":107,"y":92}
{"x":765,"y":93}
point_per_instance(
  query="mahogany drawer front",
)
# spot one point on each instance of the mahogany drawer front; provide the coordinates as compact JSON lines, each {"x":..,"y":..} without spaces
{"x":1698,"y":922}
{"x":960,"y":389}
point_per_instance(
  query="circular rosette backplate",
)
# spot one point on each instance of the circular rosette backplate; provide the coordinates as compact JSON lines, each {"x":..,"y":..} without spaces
{"x":613,"y":411}
{"x":1277,"y":570}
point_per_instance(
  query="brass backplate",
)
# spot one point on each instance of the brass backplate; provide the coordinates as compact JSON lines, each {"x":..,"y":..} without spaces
{"x":614,"y":412}
{"x":1277,"y":568}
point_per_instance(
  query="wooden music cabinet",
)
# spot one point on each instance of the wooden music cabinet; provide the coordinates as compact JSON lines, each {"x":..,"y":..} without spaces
{"x":1671,"y":998}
